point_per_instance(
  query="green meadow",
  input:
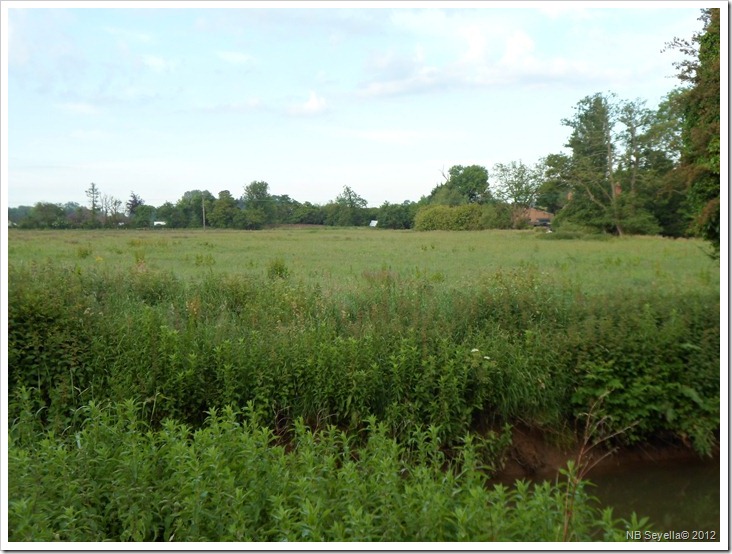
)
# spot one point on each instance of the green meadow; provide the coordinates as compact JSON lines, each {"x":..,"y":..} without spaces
{"x":343,"y":384}
{"x":338,"y":257}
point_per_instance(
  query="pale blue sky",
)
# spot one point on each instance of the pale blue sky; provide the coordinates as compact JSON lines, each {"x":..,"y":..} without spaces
{"x":161,"y":101}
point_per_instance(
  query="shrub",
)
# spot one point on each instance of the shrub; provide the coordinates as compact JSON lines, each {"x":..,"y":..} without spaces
{"x":449,"y":218}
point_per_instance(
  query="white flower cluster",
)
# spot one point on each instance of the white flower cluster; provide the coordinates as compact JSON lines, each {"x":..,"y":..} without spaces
{"x":476,"y":351}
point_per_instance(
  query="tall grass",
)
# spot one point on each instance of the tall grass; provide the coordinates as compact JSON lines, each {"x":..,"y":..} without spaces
{"x":338,"y":258}
{"x":516,"y":345}
{"x":333,"y":386}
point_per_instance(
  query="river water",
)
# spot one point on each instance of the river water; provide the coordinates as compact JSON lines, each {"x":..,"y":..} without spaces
{"x":676,"y":496}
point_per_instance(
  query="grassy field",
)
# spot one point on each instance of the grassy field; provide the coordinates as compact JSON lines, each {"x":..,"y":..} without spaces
{"x":338,"y":258}
{"x":341,"y":384}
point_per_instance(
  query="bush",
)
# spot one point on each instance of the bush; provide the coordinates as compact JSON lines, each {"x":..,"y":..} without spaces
{"x":449,"y":218}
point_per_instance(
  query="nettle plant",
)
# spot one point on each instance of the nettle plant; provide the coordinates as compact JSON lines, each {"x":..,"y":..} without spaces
{"x":116,"y":479}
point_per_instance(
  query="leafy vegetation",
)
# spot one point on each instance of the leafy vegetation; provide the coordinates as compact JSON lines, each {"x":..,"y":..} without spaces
{"x":135,"y":362}
{"x":356,"y":385}
{"x":700,"y":136}
{"x":118,"y":479}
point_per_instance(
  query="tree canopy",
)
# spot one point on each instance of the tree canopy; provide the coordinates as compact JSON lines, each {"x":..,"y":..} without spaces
{"x":700,"y":135}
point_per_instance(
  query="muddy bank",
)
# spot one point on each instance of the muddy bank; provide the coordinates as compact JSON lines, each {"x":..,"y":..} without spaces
{"x":534,"y":455}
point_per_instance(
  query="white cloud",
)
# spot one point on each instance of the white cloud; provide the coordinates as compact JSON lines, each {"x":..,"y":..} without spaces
{"x":476,"y":38}
{"x":390,"y":136}
{"x":246,"y":106}
{"x":82,"y":108}
{"x":159,"y":64}
{"x":89,"y":134}
{"x":519,"y":48}
{"x":313,"y":105}
{"x":236,"y":58}
{"x":129,"y":35}
{"x":424,"y":79}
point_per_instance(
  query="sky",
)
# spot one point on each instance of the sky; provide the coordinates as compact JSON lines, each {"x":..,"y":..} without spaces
{"x":158,"y":99}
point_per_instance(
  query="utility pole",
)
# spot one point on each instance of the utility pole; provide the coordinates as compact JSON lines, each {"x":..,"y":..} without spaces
{"x":203,"y":211}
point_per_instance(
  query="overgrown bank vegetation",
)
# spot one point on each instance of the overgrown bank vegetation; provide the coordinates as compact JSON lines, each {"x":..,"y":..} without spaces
{"x":265,"y":406}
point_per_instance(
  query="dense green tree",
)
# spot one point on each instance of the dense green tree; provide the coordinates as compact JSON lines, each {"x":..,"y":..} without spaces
{"x":144,"y":216}
{"x":447,"y":195}
{"x":556,"y":185}
{"x":348,"y":209}
{"x":471,"y":182}
{"x":45,"y":215}
{"x":700,"y":105}
{"x":258,"y":203}
{"x":169,"y":213}
{"x":133,"y":204}
{"x":224,"y":214}
{"x":283,"y":208}
{"x":308,"y":214}
{"x":634,"y":139}
{"x":397,"y":216}
{"x":463,"y":185}
{"x":18,"y":214}
{"x":192,"y":206}
{"x":604,"y":193}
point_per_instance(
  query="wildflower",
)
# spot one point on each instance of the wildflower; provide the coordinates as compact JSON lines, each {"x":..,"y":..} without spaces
{"x":474,"y":350}
{"x":486,"y":357}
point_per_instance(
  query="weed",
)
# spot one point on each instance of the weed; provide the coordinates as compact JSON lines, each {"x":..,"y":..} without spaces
{"x":277,"y":269}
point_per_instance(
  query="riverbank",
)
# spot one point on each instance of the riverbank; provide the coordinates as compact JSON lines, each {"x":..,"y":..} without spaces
{"x":537,"y":455}
{"x":678,"y":489}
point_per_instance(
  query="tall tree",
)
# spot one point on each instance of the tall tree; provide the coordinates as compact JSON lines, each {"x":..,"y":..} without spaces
{"x":636,"y":120}
{"x":556,"y":186}
{"x":144,"y":216}
{"x":700,"y":103}
{"x":258,"y":204}
{"x":109,"y":207}
{"x":594,"y":193}
{"x":192,"y":206}
{"x":225,"y":211}
{"x":133,"y":204}
{"x":351,"y":205}
{"x":517,"y":183}
{"x":94,"y":195}
{"x":46,"y":215}
{"x":397,"y":216}
{"x":284,"y":208}
{"x":603,"y":191}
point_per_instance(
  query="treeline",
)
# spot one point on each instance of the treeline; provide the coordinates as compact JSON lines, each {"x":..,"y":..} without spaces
{"x":629,"y":169}
{"x":255,"y":209}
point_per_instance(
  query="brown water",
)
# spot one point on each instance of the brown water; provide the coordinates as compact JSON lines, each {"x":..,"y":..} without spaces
{"x":676,"y":496}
